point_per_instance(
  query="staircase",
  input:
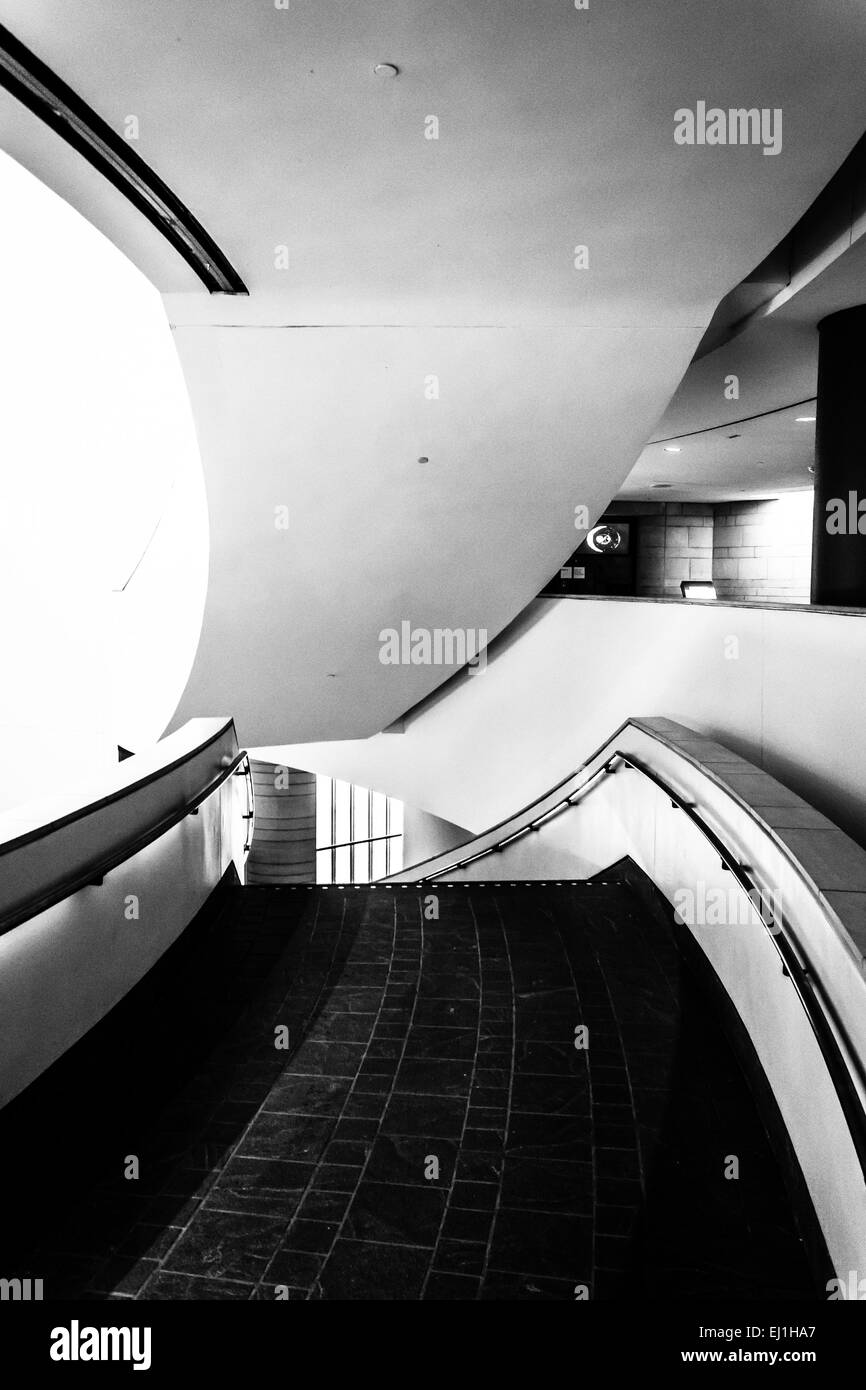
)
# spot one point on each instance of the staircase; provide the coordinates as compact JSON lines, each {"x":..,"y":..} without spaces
{"x":489,"y":1091}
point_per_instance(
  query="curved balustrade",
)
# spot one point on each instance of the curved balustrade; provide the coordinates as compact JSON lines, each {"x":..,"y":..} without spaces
{"x":780,"y":684}
{"x":63,"y":846}
{"x":97,"y":883}
{"x":770,"y":891}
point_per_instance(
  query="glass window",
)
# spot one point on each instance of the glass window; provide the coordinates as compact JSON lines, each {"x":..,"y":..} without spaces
{"x":343,"y":867}
{"x":379,"y":859}
{"x":380,"y":807}
{"x":343,"y":797}
{"x":367,"y":826}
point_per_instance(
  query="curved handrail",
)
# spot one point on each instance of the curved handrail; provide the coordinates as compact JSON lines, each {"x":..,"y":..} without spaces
{"x":93,"y":872}
{"x":557,"y":809}
{"x":250,"y":816}
{"x":793,"y":965}
{"x":87,"y":809}
{"x":817,"y":1007}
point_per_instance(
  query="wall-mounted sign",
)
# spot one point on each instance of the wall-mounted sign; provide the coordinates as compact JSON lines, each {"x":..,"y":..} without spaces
{"x":608,"y":539}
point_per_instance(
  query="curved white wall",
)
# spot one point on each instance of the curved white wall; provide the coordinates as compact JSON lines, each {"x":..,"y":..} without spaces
{"x":425,"y":835}
{"x":781,"y":686}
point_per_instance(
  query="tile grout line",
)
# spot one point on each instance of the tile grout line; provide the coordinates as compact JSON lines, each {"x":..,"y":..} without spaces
{"x":592,"y":1143}
{"x":450,"y":1192}
{"x":161,"y":1265}
{"x":308,"y":1187}
{"x":634,"y":1117}
{"x":508,"y":1108}
{"x":386,"y":1097}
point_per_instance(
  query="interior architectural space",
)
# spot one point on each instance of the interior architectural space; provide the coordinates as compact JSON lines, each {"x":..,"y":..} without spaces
{"x":433,"y":612}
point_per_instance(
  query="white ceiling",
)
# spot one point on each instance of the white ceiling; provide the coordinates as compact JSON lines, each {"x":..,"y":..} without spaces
{"x":775,"y":360}
{"x":410,"y":257}
{"x":556,"y":129}
{"x":749,"y":458}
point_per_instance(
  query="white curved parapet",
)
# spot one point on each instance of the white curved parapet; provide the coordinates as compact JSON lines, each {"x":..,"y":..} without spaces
{"x":94,"y":886}
{"x":781,"y":685}
{"x":772,"y":892}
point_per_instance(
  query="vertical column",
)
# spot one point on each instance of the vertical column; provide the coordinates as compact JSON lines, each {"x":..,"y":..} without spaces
{"x":838,"y":544}
{"x":284,"y":842}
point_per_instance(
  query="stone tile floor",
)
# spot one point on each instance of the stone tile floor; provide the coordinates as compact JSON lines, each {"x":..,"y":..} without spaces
{"x":431,"y":1131}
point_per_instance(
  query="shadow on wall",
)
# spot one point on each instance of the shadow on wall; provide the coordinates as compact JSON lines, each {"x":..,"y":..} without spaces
{"x":425,"y":835}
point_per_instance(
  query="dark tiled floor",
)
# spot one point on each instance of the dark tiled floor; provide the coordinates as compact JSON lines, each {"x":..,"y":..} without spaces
{"x":431,"y":1132}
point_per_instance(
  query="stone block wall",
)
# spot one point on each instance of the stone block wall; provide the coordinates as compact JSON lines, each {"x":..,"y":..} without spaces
{"x":674,"y":545}
{"x":761,"y":551}
{"x":751,"y":550}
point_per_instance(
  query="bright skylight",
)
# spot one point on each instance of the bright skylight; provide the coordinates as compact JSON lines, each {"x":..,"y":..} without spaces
{"x":100,"y":488}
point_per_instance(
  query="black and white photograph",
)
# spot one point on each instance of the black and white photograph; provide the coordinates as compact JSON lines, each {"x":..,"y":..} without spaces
{"x":432,"y":670}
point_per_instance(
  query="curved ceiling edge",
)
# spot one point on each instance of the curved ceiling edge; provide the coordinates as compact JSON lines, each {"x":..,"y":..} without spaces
{"x":28,"y":79}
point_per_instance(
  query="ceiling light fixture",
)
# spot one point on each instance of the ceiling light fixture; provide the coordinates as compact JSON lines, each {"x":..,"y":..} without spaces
{"x":804,"y":419}
{"x":385,"y":70}
{"x":658,"y":485}
{"x":672,"y":449}
{"x":734,"y":436}
{"x":423,"y":459}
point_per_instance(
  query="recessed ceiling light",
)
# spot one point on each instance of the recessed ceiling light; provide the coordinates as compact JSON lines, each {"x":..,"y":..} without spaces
{"x":385,"y":70}
{"x":672,"y":449}
{"x":804,"y":419}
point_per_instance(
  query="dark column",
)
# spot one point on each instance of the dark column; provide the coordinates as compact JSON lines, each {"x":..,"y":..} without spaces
{"x":838,"y":547}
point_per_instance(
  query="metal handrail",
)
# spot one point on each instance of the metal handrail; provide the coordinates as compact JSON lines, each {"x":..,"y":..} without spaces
{"x":794,"y":966}
{"x":94,"y":872}
{"x":80,"y":812}
{"x":250,"y":816}
{"x":555,"y":810}
{"x":371,"y":840}
{"x":819,"y":1011}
